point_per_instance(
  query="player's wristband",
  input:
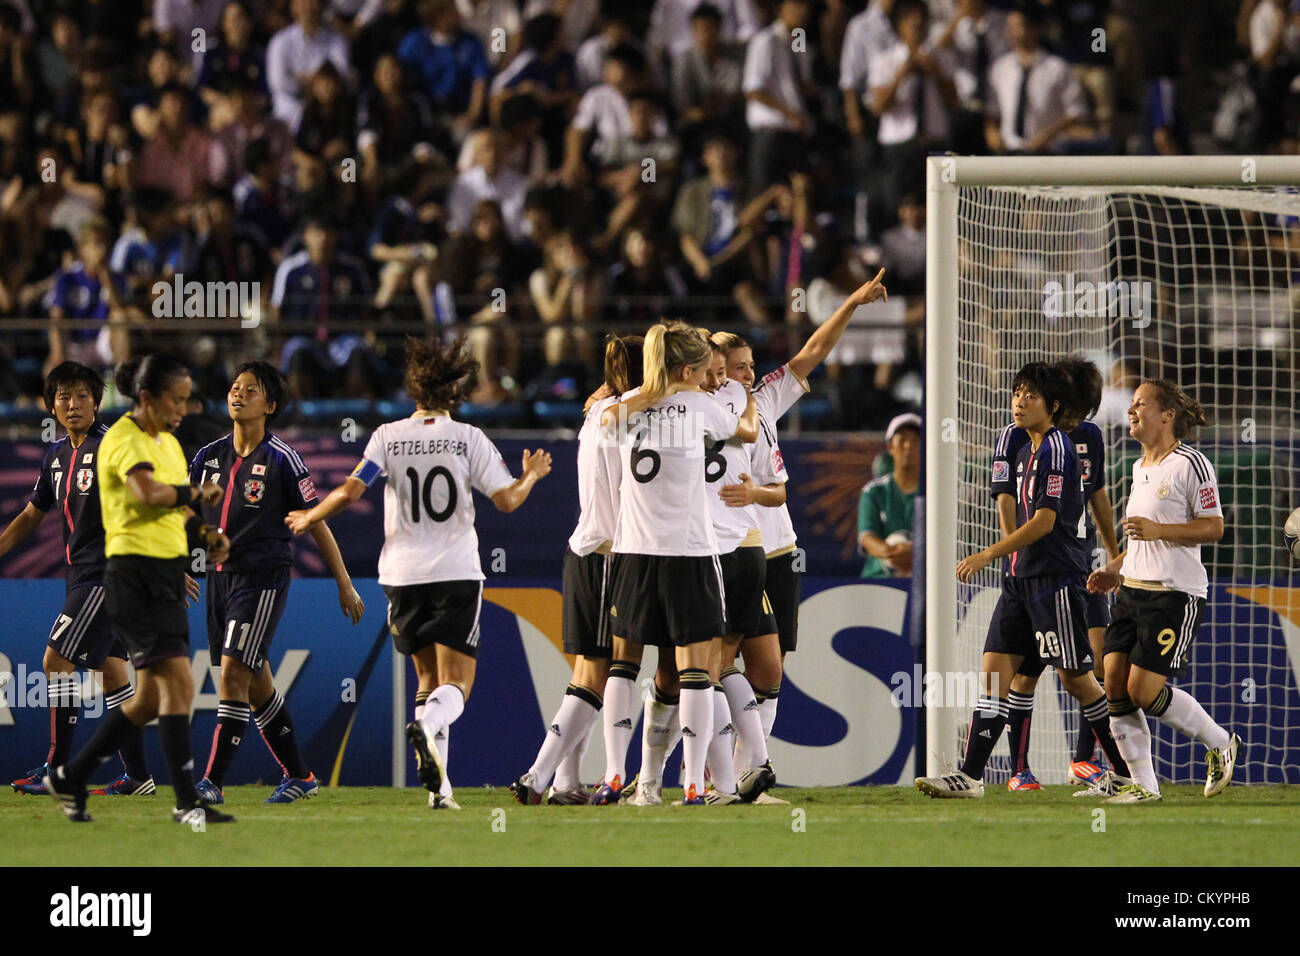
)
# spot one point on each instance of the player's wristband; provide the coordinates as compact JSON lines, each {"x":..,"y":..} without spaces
{"x":186,"y":495}
{"x":193,"y":527}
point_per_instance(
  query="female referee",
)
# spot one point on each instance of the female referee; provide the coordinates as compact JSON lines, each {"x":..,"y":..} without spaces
{"x":144,"y":494}
{"x":429,"y":565}
{"x":1172,"y":510}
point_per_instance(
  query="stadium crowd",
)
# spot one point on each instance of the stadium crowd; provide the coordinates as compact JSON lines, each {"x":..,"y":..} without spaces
{"x":537,"y":173}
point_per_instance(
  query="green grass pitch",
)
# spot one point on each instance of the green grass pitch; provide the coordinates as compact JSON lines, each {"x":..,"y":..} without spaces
{"x":827,"y":826}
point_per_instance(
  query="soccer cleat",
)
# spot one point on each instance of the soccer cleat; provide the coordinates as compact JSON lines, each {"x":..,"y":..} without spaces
{"x":1085,"y":772}
{"x":438,"y":802}
{"x":523,"y":791}
{"x":71,"y":797}
{"x":1107,"y":785}
{"x":628,"y":790}
{"x":692,"y":799}
{"x":769,"y":799}
{"x":756,"y":781}
{"x":125,"y":786}
{"x":200,"y":814}
{"x":647,"y":795}
{"x":1025,"y":780}
{"x":715,"y":797}
{"x":209,"y":792}
{"x":955,"y":784}
{"x":1134,"y":793}
{"x":294,"y":788}
{"x":1221,"y":763}
{"x":428,"y":762}
{"x":607,"y":793}
{"x":568,"y":798}
{"x":33,"y":782}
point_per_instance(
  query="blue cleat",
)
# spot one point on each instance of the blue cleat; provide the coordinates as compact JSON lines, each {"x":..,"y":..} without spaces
{"x":125,"y":786}
{"x":693,"y":799}
{"x":294,"y":788}
{"x":33,"y":781}
{"x":606,"y":793}
{"x":209,"y":792}
{"x":1025,"y":780}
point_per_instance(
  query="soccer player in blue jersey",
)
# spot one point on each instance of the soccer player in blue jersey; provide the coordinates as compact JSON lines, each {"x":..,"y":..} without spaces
{"x":80,"y":637}
{"x":262,"y":479}
{"x":1039,"y":617}
{"x":1081,"y":401}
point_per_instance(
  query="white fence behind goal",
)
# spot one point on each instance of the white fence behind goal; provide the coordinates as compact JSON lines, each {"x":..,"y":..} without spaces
{"x":1196,"y":283}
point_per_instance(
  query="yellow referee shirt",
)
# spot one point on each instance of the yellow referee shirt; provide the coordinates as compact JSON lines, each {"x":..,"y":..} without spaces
{"x":129,"y":526}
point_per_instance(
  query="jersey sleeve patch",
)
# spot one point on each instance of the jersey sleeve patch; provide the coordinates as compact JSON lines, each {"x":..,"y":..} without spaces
{"x":307,"y":489}
{"x":1055,"y":483}
{"x":1209,"y":499}
{"x":1001,"y":470}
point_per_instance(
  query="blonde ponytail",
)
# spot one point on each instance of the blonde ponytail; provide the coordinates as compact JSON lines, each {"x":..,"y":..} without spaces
{"x":670,"y":346}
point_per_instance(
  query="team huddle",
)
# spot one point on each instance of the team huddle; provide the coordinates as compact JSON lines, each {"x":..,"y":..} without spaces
{"x":684,"y":542}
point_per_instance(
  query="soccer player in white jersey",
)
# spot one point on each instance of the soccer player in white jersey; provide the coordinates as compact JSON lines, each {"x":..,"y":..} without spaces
{"x":667,"y":578}
{"x":1173,"y":508}
{"x":585,"y":584}
{"x":774,"y":395}
{"x":429,"y":564}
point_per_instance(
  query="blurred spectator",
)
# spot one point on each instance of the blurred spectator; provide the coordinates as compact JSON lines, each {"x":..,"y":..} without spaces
{"x":481,"y":268}
{"x":393,"y":21}
{"x":227,"y":250}
{"x":639,"y":169}
{"x":603,"y":112}
{"x":162,"y":72}
{"x":670,"y":25}
{"x":239,"y":117}
{"x":403,"y":242}
{"x":176,"y":20}
{"x":577,"y":17}
{"x":566,"y":293}
{"x":294,"y":55}
{"x":152,"y":245}
{"x":484,"y":18}
{"x":58,"y":56}
{"x":867,"y":37}
{"x":775,"y":80}
{"x":711,"y":233}
{"x":396,"y":125}
{"x":180,"y":158}
{"x":641,"y":287}
{"x":260,"y":198}
{"x":886,"y":507}
{"x":706,"y":81}
{"x":328,"y":127}
{"x":488,"y":179}
{"x":545,"y":70}
{"x":234,"y":54}
{"x":975,"y":36}
{"x":519,"y":142}
{"x":1070,"y":28}
{"x":88,"y":289}
{"x":1274,"y":33}
{"x":902,"y":248}
{"x":615,"y":29}
{"x":449,"y":63}
{"x":99,"y":146}
{"x":1034,"y":97}
{"x":318,"y":285}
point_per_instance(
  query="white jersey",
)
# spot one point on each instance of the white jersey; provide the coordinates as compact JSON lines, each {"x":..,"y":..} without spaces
{"x":1179,"y":489}
{"x":663,"y":500}
{"x":774,"y":523}
{"x":599,"y":473}
{"x":724,"y":463}
{"x":432,"y":465}
{"x":774,"y":394}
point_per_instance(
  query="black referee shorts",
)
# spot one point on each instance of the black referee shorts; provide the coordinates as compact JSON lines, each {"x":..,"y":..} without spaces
{"x":145,"y":598}
{"x":1155,"y":628}
{"x":585,"y":586}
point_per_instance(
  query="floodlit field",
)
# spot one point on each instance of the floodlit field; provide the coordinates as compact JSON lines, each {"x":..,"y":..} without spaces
{"x":831,"y":826}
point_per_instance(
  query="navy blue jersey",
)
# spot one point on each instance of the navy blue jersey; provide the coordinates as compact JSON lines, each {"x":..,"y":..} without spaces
{"x":259,"y":491}
{"x":1049,"y":477}
{"x":67,"y":480}
{"x":1089,"y":448}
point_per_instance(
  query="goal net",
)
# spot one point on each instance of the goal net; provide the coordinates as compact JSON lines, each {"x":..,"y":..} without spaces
{"x":1196,"y":283}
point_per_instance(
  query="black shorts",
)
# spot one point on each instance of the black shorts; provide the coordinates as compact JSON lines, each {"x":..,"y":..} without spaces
{"x":440,"y":612}
{"x":1097,"y":607}
{"x":783,"y":585}
{"x":749,"y":612}
{"x":81,"y":632}
{"x":145,"y":598}
{"x":243,"y":613}
{"x":667,"y":600}
{"x":1042,"y":620}
{"x":1155,"y":628}
{"x":585,"y":621}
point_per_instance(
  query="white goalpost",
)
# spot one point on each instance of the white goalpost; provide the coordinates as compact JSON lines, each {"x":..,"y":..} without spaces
{"x":1185,"y":268}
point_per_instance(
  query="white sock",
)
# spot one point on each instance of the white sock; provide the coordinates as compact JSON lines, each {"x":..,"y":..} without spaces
{"x":697,"y":732}
{"x":1185,"y":714}
{"x":656,"y":733}
{"x":620,"y":719}
{"x":767,"y":714}
{"x":442,"y":741}
{"x":745,"y":717}
{"x":720,"y":745}
{"x":1133,"y":738}
{"x":565,"y":732}
{"x":445,"y":704}
{"x":568,"y":775}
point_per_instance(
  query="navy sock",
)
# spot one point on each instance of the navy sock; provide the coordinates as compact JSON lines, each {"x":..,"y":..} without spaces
{"x":277,"y":730}
{"x":232,"y":724}
{"x":174,"y":732}
{"x":985,"y":728}
{"x":64,"y":693}
{"x":131,"y":749}
{"x":1018,"y":724}
{"x":1086,"y":746}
